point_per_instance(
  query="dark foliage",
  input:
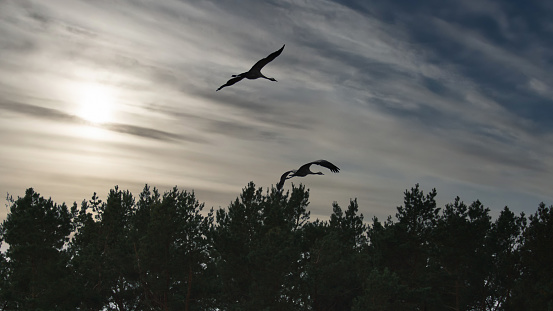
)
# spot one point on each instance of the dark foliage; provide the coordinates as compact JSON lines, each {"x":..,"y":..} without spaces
{"x":163,"y":252}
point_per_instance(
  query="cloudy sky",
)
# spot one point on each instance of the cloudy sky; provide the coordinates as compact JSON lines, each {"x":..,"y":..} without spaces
{"x":453,"y":95}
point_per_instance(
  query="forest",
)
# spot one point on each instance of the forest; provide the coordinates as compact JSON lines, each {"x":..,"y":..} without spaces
{"x":163,"y":251}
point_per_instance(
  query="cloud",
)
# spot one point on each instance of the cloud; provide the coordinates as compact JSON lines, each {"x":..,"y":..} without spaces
{"x":148,"y":132}
{"x":60,"y":116}
{"x":39,"y":112}
{"x":392,"y":92}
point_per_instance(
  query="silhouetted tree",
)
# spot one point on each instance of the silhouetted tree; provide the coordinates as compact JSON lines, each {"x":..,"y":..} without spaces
{"x":4,"y":283}
{"x":405,"y":248}
{"x":259,"y":251}
{"x":336,"y":262}
{"x":173,"y":251}
{"x":460,"y":256}
{"x":103,"y":254}
{"x":162,"y":252}
{"x":503,"y":244}
{"x":234,"y":239}
{"x":382,"y":291}
{"x":36,"y":230}
{"x":534,"y":289}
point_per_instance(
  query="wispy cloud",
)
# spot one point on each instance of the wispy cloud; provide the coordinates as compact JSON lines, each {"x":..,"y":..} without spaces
{"x":60,"y":116}
{"x":394,"y":93}
{"x":39,"y":112}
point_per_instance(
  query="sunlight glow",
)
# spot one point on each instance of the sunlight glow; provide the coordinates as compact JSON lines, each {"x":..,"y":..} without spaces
{"x":96,"y":103}
{"x":92,"y":132}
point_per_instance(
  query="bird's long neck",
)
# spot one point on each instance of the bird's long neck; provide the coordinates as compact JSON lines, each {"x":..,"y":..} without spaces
{"x":271,"y":79}
{"x":314,"y":173}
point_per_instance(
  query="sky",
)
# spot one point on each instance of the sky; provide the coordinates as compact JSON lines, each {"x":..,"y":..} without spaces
{"x":452,"y":95}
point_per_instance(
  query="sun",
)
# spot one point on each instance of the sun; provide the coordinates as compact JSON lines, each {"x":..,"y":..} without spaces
{"x":96,"y":103}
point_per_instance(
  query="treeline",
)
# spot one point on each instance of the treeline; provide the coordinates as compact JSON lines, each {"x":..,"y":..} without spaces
{"x":162,"y":252}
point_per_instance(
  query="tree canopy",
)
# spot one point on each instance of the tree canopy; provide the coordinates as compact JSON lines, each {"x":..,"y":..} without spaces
{"x":163,"y":251}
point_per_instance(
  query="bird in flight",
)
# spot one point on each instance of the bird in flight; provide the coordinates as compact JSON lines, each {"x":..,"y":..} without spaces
{"x":255,"y":71}
{"x":304,"y":171}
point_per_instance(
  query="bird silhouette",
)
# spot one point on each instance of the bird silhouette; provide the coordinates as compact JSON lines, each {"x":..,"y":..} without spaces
{"x":304,"y":171}
{"x":255,"y":71}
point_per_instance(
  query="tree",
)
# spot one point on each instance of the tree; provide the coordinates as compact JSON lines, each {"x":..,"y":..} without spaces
{"x":336,"y":262}
{"x":36,"y":230}
{"x":103,"y":255}
{"x":406,"y":247}
{"x":460,"y":255}
{"x":534,"y":289}
{"x":258,"y":250}
{"x":382,"y":290}
{"x":4,"y":272}
{"x":503,"y":244}
{"x":161,"y":252}
{"x":173,"y":250}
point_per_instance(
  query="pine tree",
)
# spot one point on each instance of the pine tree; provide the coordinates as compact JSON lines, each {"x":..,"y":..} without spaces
{"x":460,"y":255}
{"x":258,"y":250}
{"x":503,"y":244}
{"x":405,"y":248}
{"x":36,"y":230}
{"x":534,"y":289}
{"x":173,"y":251}
{"x":4,"y":272}
{"x":103,"y":254}
{"x":336,"y":260}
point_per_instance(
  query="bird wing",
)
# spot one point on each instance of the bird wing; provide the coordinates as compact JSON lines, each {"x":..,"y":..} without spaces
{"x":283,"y":179}
{"x":231,"y":82}
{"x":260,"y":64}
{"x":333,"y":168}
